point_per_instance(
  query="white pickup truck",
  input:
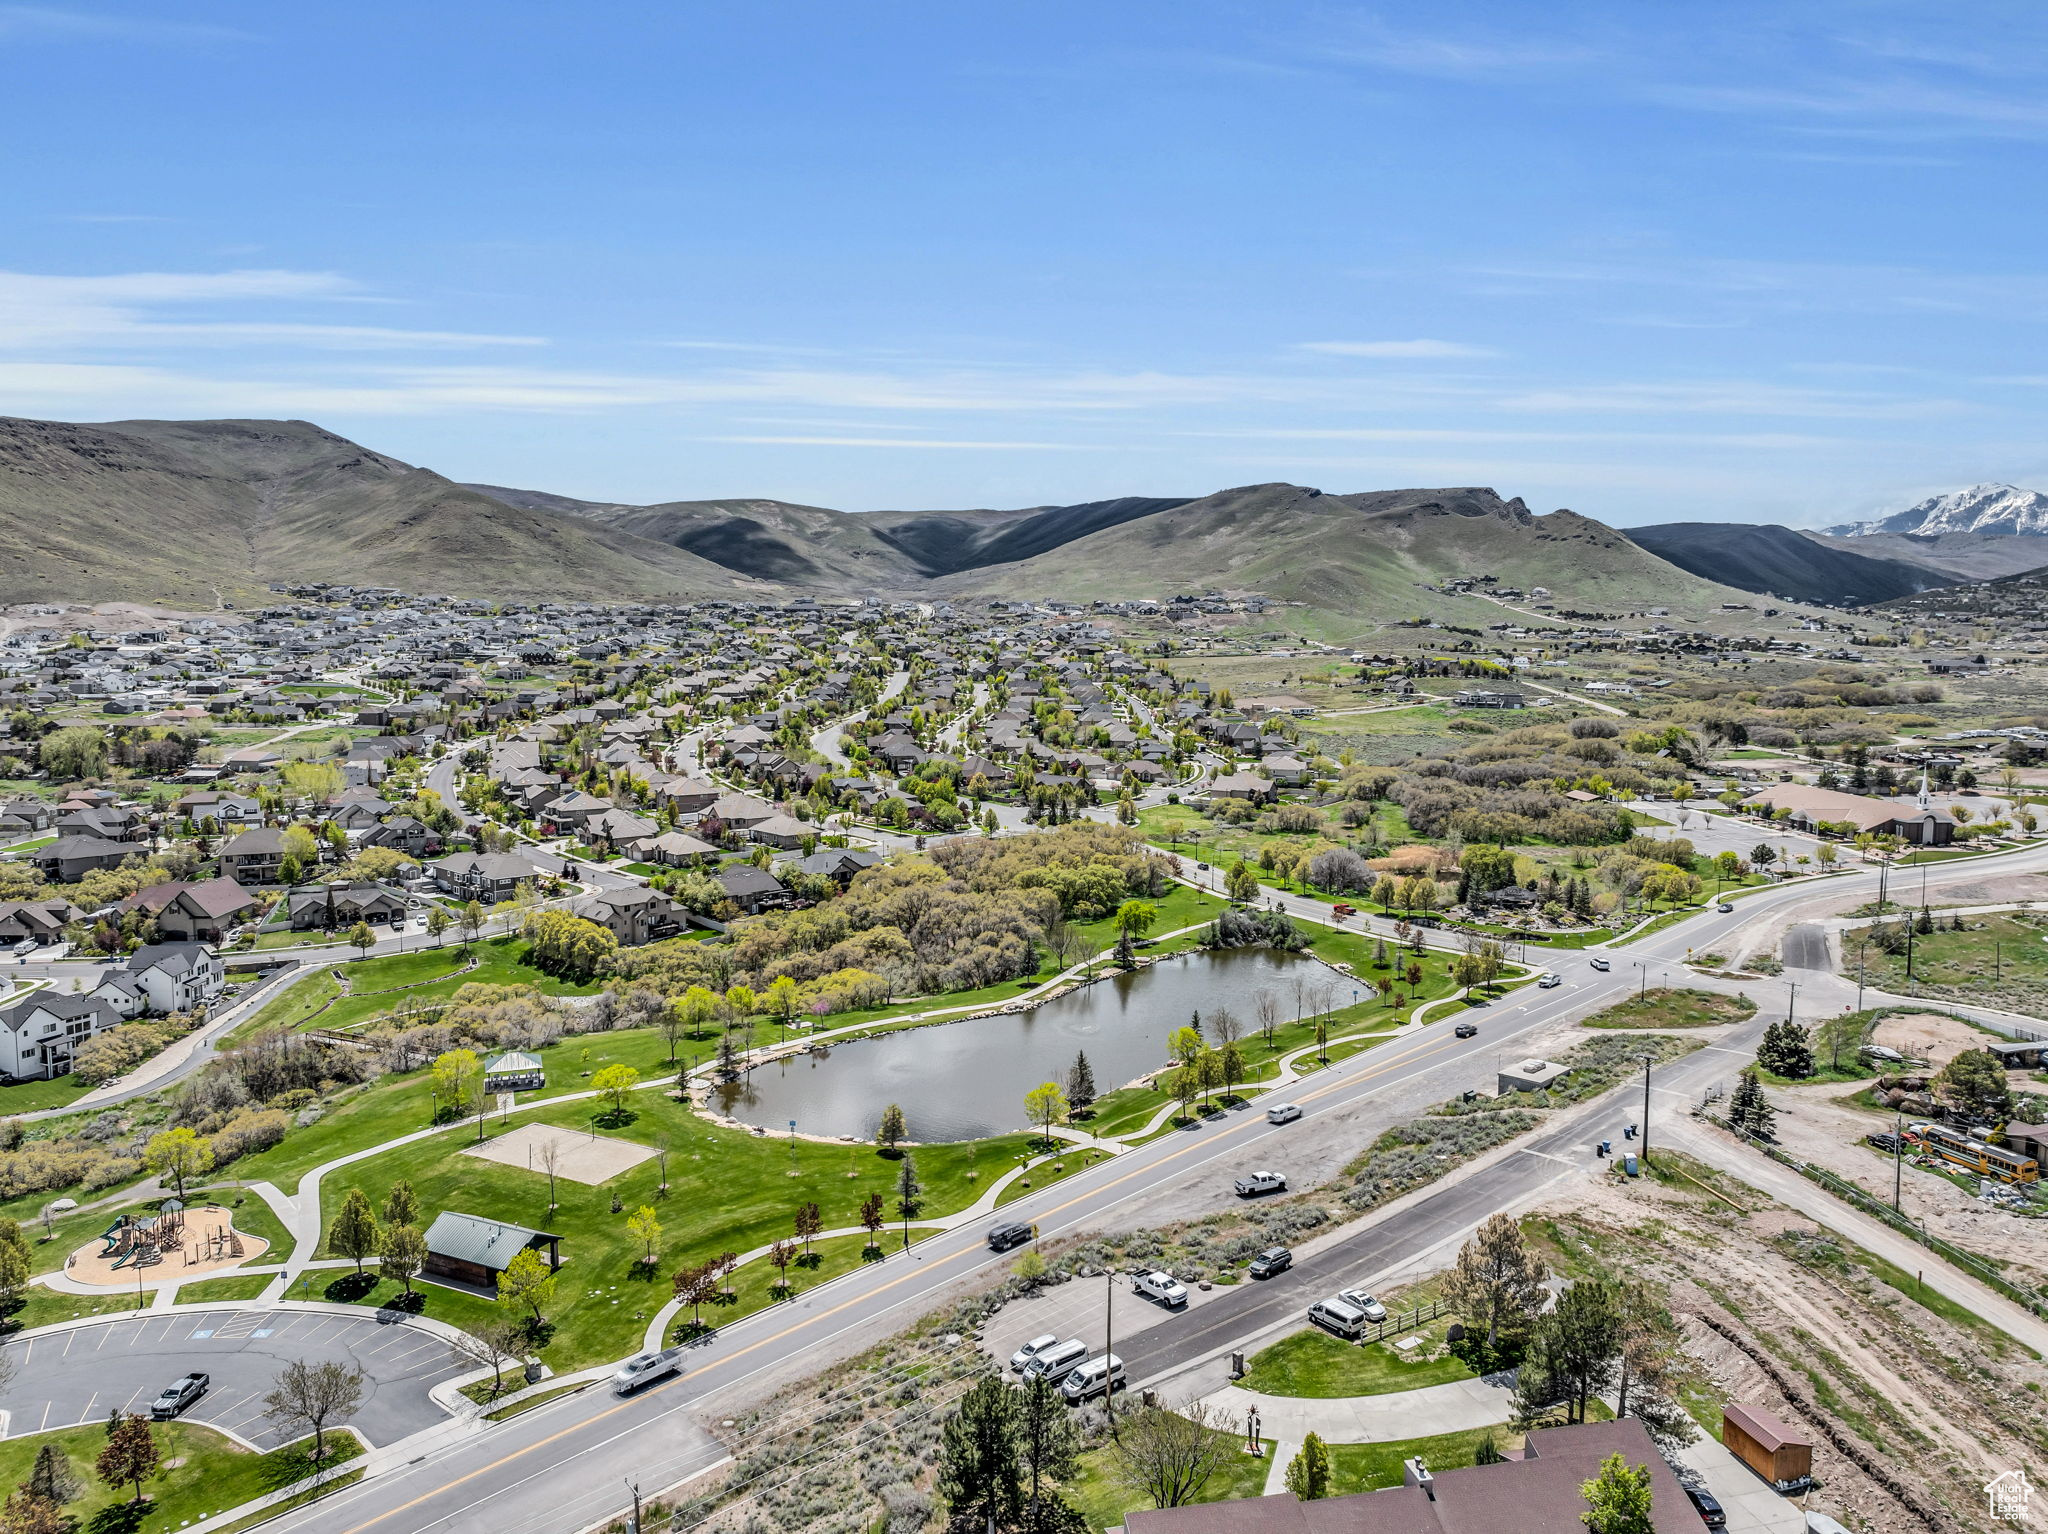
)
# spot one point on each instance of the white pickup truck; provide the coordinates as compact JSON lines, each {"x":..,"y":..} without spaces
{"x":1163,"y":1287}
{"x":1261,"y":1182}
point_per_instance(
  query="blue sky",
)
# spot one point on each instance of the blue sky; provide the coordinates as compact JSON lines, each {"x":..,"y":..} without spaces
{"x":1775,"y":262}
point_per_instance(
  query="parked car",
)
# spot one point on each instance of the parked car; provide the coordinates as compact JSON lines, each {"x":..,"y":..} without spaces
{"x":1163,"y":1287}
{"x":1466,"y":1030}
{"x":1708,"y":1506}
{"x":646,"y":1368}
{"x":1366,"y":1301}
{"x":1339,"y":1316}
{"x":1260,"y":1182}
{"x":1283,"y":1113}
{"x":1601,"y":964}
{"x":1099,"y":1376}
{"x":1550,"y":978}
{"x":1885,"y":1140}
{"x":179,"y":1394}
{"x":1274,"y":1259}
{"x":1002,"y":1237}
{"x":1032,"y":1349}
{"x":1055,"y":1363}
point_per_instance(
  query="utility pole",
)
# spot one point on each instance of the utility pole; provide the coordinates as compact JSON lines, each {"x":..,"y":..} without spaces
{"x":634,"y":1488}
{"x":1898,"y":1158}
{"x":1646,"y":1106}
{"x":1108,"y":1349}
{"x":1859,"y":972}
{"x":1792,"y":1000}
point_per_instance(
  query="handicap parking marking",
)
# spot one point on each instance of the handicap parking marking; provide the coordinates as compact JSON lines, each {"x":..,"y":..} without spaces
{"x":204,"y":1331}
{"x":262,"y":1331}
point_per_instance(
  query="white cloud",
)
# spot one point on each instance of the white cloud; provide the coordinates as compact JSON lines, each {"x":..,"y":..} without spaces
{"x":1397,"y":349}
{"x":43,"y":313}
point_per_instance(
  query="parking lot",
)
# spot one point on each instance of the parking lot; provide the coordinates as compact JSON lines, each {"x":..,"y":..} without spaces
{"x":81,"y":1375}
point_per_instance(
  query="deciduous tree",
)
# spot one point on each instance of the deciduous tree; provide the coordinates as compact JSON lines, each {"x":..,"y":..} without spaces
{"x":315,"y":1395}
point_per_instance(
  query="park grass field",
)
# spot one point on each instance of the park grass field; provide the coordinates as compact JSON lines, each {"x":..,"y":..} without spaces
{"x":730,"y":1190}
{"x":200,"y":1473}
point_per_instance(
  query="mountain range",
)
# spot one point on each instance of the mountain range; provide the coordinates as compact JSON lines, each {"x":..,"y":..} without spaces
{"x":194,"y":513}
{"x":2004,"y":510}
{"x":189,"y":513}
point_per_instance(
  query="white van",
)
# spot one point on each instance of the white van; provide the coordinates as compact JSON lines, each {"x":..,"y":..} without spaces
{"x":1055,"y":1364}
{"x":1031,"y":1350}
{"x":1339,"y":1316}
{"x":1283,"y":1113}
{"x":645,"y":1368}
{"x":1099,"y":1376}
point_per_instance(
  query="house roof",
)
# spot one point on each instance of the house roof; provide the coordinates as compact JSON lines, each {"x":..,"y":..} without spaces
{"x":487,"y":1243}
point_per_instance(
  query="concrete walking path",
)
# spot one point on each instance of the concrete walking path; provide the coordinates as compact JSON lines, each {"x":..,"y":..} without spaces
{"x":1450,"y":1408}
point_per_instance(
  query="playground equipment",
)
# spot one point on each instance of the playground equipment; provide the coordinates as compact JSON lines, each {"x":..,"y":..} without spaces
{"x":138,"y":1241}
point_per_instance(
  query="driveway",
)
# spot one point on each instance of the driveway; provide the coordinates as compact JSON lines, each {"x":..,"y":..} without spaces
{"x":80,"y":1375}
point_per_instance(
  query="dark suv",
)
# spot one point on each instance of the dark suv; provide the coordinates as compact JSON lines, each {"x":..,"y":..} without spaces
{"x":1274,"y":1259}
{"x":1003,"y":1237}
{"x":1707,"y":1506}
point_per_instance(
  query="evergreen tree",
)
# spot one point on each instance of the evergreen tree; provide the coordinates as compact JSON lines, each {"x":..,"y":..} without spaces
{"x":1749,"y":1109}
{"x":1048,"y":1452}
{"x":978,"y":1466}
{"x":1081,"y":1081}
{"x":1786,"y":1050}
{"x":1572,"y":1354}
{"x":1308,"y":1473}
{"x":1497,"y":1282}
{"x":51,"y":1478}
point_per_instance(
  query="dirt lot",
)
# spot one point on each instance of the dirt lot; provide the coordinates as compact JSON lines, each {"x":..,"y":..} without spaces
{"x":1910,"y":1411}
{"x":1924,"y":1036}
{"x":1815,"y":1125}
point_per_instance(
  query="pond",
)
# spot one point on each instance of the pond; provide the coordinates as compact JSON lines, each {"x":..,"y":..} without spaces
{"x":965,"y":1080}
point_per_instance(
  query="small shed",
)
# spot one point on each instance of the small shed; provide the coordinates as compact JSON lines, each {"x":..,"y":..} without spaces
{"x":1529,"y":1076}
{"x":514,"y":1071}
{"x":1768,"y":1445}
{"x":473,"y":1250}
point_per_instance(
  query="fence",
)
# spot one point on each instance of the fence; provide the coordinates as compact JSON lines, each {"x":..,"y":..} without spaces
{"x":1394,"y":1325}
{"x":1850,"y":1193}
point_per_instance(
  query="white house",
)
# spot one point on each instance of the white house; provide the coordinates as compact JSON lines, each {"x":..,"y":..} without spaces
{"x":40,"y":1033}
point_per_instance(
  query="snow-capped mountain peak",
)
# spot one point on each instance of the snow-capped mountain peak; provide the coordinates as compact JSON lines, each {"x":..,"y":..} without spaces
{"x":1980,"y":509}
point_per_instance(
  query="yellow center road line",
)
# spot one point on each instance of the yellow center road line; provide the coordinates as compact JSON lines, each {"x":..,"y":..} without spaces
{"x":867,"y":1296}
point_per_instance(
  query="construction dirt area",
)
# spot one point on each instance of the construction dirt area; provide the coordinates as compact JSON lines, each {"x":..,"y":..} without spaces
{"x":1911,"y":1409}
{"x":1927,"y":1036}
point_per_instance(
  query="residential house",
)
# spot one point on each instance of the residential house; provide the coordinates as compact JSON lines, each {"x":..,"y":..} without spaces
{"x":752,"y":889}
{"x":70,"y":858}
{"x":486,"y":876}
{"x":332,"y":907}
{"x":176,"y":977}
{"x":195,"y":912}
{"x":255,"y":856}
{"x":634,"y":914}
{"x":38,"y":921}
{"x":41,"y":1033}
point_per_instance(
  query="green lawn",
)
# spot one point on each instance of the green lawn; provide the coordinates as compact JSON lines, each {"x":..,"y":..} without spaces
{"x":34,"y":1096}
{"x":1314,"y":1363}
{"x":500,"y":961}
{"x":211,"y":1475}
{"x":403,"y":969}
{"x":298,"y":1004}
{"x":730,"y":1191}
{"x":1103,"y":1499}
{"x":236,"y":1286}
{"x":1664,"y":1007}
{"x":1375,"y":1466}
{"x":46,"y":1307}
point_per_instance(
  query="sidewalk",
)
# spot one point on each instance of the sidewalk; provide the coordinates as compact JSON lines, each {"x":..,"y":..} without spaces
{"x":1389,"y":1418}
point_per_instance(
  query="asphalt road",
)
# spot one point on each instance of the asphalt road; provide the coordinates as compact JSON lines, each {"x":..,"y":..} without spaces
{"x":80,"y":1375}
{"x":582,"y":1447}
